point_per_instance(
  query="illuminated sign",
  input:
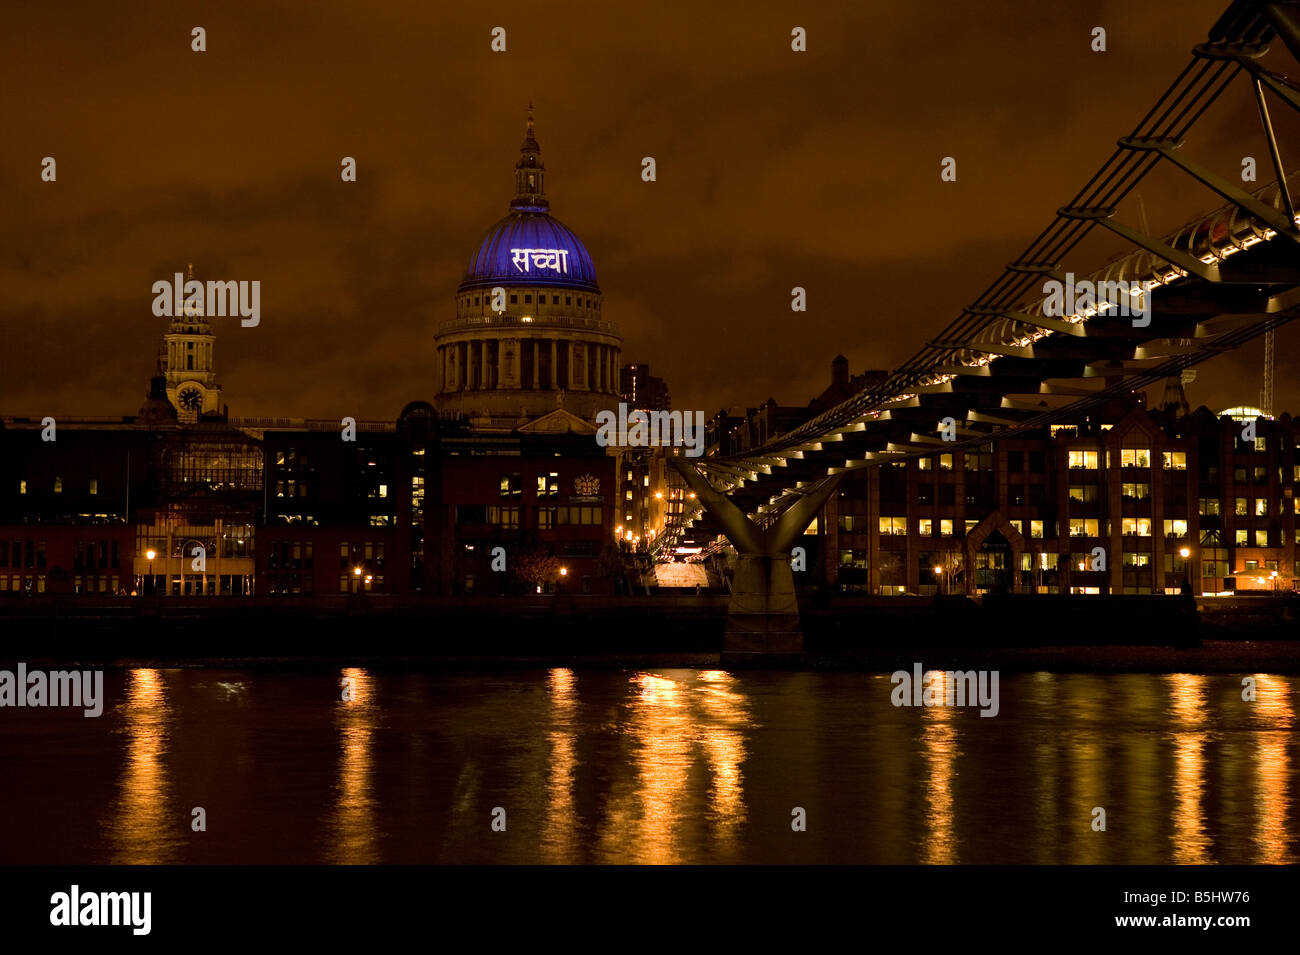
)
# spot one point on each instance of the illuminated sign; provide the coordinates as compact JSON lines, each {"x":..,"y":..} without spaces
{"x":557,"y":259}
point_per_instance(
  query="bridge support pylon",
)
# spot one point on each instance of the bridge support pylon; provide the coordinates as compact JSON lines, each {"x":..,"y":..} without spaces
{"x":763,"y":616}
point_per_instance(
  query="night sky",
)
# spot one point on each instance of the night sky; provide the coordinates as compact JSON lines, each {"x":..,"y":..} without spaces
{"x":775,"y":169}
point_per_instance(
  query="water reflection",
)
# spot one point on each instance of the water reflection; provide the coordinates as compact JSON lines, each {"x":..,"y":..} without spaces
{"x":677,"y":725}
{"x":145,"y":828}
{"x":939,"y":751}
{"x":663,"y":766}
{"x":352,"y":829}
{"x":1273,"y":769}
{"x":561,"y":823}
{"x":1187,"y":704}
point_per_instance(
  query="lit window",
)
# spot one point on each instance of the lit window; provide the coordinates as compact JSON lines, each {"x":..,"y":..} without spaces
{"x":925,"y":464}
{"x":945,"y":462}
{"x":925,"y":527}
{"x":1242,"y":506}
{"x":94,"y":485}
{"x":1261,"y":538}
{"x":1135,"y":458}
{"x":1261,"y":507}
{"x":1083,"y":459}
{"x":945,"y":528}
{"x":1176,"y":528}
{"x":1036,"y":530}
{"x":1175,"y":460}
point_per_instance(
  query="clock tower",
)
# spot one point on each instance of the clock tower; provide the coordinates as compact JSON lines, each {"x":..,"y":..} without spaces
{"x":191,"y":381}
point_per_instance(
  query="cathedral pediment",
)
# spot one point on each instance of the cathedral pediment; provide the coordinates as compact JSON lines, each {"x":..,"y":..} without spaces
{"x":558,"y":421}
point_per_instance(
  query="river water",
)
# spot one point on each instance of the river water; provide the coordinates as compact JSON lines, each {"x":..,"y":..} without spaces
{"x":653,"y":766}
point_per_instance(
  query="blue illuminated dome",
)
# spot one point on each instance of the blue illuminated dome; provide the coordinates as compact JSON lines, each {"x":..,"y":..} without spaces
{"x":498,"y":261}
{"x":529,"y":246}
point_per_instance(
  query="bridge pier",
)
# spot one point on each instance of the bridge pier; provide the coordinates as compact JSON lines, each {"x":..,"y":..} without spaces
{"x":763,"y":615}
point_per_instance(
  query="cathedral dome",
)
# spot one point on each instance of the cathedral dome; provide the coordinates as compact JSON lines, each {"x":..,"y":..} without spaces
{"x":530,"y":247}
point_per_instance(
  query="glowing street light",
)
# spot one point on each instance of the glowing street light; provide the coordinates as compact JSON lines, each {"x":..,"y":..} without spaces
{"x":564,"y":571}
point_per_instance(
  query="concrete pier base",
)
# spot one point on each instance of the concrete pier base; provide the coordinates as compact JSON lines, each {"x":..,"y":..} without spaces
{"x":763,"y":615}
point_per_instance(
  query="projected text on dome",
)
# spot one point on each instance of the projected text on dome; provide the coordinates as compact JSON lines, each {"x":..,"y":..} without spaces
{"x":557,"y":259}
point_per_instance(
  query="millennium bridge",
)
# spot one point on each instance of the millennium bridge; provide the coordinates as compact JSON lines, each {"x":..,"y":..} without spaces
{"x":1014,"y":361}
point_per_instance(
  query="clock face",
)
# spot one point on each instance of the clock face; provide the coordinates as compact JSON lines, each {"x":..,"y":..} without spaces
{"x":191,"y":399}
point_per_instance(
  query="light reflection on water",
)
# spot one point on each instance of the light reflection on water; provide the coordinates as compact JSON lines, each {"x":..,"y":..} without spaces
{"x":657,"y":766}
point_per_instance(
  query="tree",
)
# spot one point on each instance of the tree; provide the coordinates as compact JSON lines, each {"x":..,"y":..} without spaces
{"x":537,"y":567}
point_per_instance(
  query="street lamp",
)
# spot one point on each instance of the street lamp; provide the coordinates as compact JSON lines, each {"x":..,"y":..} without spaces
{"x":938,"y":573}
{"x":151,"y":554}
{"x":1184,"y":553}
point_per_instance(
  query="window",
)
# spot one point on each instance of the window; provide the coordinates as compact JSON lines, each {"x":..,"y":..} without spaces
{"x":1135,"y":492}
{"x":1015,"y":461}
{"x":507,"y":517}
{"x":1083,"y":527}
{"x":893,"y":526}
{"x":1137,"y":560}
{"x":945,"y":528}
{"x":58,"y":485}
{"x":1241,"y":538}
{"x":1210,"y":506}
{"x":511,"y":485}
{"x":846,"y":522}
{"x":1241,"y":507}
{"x":925,"y":464}
{"x":1036,"y":530}
{"x":1037,"y":462}
{"x":1135,"y":458}
{"x":1086,"y":493}
{"x":1175,"y":460}
{"x":1083,"y":459}
{"x":1261,"y":538}
{"x":1176,"y":528}
{"x":925,"y":527}
{"x":22,"y":488}
{"x":94,"y":485}
{"x":1136,"y":527}
{"x":1261,"y":507}
{"x":577,"y":515}
{"x":1261,"y":475}
{"x":945,"y":462}
{"x":548,"y":485}
{"x":546,"y":518}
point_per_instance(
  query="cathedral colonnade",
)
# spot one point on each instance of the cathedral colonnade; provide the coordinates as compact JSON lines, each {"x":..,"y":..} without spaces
{"x":538,"y":363}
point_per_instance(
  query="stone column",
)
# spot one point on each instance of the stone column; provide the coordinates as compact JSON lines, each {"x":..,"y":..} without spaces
{"x":537,"y":363}
{"x":482,"y":361}
{"x":555,"y":365}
